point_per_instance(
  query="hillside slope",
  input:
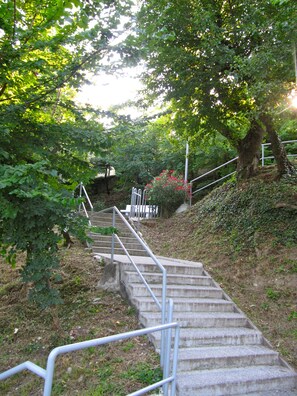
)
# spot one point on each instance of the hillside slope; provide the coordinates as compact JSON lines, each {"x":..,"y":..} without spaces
{"x":246,"y":236}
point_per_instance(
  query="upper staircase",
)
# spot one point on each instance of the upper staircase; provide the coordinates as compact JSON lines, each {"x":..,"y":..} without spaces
{"x":102,"y":243}
{"x":221,"y":352}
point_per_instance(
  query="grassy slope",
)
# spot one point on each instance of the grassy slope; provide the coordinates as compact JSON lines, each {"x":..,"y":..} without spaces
{"x":246,"y":236}
{"x":29,"y":334}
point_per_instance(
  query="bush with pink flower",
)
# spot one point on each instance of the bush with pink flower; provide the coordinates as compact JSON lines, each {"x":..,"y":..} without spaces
{"x":168,"y":191}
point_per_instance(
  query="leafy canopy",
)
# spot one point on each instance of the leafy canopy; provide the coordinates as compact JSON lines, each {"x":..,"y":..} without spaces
{"x":223,"y":65}
{"x":46,"y":140}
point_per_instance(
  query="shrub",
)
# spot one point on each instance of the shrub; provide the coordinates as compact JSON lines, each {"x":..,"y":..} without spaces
{"x":168,"y":191}
{"x":98,"y":206}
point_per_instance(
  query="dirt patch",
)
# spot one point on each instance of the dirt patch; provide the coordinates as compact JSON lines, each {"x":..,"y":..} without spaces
{"x":30,"y":334}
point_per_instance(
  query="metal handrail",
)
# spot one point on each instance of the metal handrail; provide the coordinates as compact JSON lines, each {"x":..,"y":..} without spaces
{"x":82,"y":190}
{"x":262,"y":159}
{"x":162,"y":305}
{"x":48,"y":373}
{"x":208,"y":173}
{"x":263,"y":145}
{"x":213,"y":170}
{"x":83,"y":193}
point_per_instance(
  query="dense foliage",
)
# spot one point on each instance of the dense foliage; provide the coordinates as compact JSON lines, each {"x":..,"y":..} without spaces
{"x":46,"y":49}
{"x":225,"y":67}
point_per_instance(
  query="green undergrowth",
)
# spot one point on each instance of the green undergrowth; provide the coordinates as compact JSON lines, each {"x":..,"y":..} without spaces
{"x":248,"y":212}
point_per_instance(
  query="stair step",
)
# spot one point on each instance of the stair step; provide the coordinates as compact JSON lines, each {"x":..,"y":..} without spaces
{"x":177,"y":291}
{"x":171,"y":269}
{"x":235,"y":381}
{"x":171,"y":279}
{"x":108,"y":238}
{"x":202,"y":289}
{"x":192,"y":337}
{"x":201,"y":320}
{"x":119,"y":251}
{"x":207,"y":358}
{"x":181,"y":304}
{"x":107,"y":244}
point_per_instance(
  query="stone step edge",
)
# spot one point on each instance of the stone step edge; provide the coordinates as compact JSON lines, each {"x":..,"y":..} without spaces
{"x":211,"y":378}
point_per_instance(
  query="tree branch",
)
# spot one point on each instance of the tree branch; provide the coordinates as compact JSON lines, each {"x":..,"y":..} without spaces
{"x":14,"y":20}
{"x":2,"y":90}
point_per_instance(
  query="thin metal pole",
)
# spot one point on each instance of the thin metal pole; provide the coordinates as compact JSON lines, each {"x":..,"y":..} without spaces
{"x":167,"y":351}
{"x":163,"y":314}
{"x":175,"y":360}
{"x":263,"y":158}
{"x":187,"y":163}
{"x":113,"y":236}
{"x":295,"y":61}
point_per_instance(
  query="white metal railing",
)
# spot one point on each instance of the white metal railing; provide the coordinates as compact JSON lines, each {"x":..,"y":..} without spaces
{"x":139,"y":208}
{"x":264,"y":145}
{"x":84,"y":194}
{"x":48,"y":373}
{"x":262,"y":159}
{"x":208,"y":173}
{"x":116,"y":214}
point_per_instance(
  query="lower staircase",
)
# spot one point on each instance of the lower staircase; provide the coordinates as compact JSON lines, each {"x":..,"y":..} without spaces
{"x":221,"y":352}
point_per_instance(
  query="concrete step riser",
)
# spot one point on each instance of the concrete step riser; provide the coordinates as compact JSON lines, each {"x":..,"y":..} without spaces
{"x":201,"y":323}
{"x":198,"y":292}
{"x":128,"y":246}
{"x":228,"y":362}
{"x":150,"y":306}
{"x":108,"y":238}
{"x":171,"y":270}
{"x":238,"y":388}
{"x":171,"y":279}
{"x":187,"y":342}
{"x":118,"y":251}
{"x":141,"y":291}
{"x":121,"y":233}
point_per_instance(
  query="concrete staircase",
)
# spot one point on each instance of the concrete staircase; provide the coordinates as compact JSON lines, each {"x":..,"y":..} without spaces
{"x":221,"y":351}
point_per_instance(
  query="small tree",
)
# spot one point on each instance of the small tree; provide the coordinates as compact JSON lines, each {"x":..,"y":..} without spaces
{"x":168,"y":191}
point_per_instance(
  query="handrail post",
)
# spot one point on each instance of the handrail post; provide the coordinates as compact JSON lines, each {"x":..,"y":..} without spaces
{"x":175,"y":360}
{"x":139,"y":196}
{"x":80,"y":189}
{"x":50,"y":367}
{"x":113,"y":236}
{"x":163,"y":314}
{"x":263,"y":154}
{"x":80,"y":195}
{"x":167,"y":348}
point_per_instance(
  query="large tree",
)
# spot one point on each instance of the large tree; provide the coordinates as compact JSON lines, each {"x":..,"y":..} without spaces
{"x":224,"y":65}
{"x":46,"y":49}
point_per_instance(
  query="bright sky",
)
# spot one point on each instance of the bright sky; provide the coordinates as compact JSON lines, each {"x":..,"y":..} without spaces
{"x":107,"y":91}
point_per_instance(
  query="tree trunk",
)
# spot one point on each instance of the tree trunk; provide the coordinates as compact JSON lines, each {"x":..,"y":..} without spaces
{"x":284,"y":166}
{"x":249,"y":152}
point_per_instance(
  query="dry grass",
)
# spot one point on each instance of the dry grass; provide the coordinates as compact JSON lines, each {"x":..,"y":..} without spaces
{"x":29,"y":334}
